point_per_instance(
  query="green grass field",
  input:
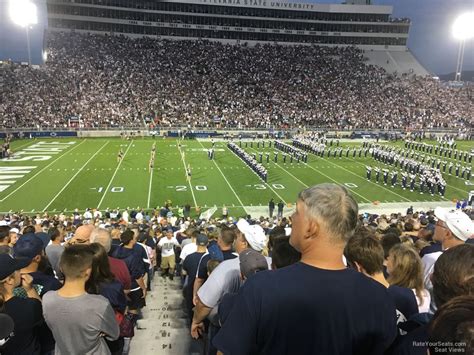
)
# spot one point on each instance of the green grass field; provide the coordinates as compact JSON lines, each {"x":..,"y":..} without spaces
{"x":85,"y":173}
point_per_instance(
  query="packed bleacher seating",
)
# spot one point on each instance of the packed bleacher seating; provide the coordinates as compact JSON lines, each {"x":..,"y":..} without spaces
{"x":117,"y":81}
{"x":332,"y":279}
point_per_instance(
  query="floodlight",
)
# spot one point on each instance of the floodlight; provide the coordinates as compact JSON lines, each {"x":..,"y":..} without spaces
{"x":463,"y":27}
{"x":23,"y":12}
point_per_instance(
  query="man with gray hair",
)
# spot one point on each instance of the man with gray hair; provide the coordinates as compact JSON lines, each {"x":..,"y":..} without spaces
{"x":117,"y":266}
{"x":315,"y":306}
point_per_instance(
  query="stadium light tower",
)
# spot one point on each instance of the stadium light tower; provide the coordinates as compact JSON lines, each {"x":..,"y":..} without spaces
{"x":23,"y":13}
{"x":463,"y":29}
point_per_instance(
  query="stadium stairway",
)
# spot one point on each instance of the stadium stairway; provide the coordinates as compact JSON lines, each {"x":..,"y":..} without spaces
{"x":164,"y":329}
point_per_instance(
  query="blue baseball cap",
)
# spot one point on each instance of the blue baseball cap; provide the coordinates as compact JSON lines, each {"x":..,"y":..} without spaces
{"x":45,"y":238}
{"x":9,"y":265}
{"x":202,"y":240}
{"x":28,"y":246}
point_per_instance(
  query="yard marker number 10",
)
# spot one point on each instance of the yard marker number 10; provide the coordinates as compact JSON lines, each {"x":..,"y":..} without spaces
{"x":112,"y":189}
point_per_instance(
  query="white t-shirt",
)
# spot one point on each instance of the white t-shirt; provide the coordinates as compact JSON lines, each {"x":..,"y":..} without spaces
{"x":167,"y":245}
{"x":148,"y":253}
{"x":224,"y":279}
{"x":425,"y":307}
{"x":187,"y":250}
{"x":429,"y":261}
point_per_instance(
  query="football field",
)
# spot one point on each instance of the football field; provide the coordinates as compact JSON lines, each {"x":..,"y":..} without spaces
{"x":64,"y":174}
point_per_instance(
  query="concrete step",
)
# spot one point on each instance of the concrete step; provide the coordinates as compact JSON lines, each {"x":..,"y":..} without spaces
{"x":164,"y":328}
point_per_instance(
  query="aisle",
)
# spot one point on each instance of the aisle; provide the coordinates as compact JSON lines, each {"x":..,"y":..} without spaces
{"x":163,"y":329}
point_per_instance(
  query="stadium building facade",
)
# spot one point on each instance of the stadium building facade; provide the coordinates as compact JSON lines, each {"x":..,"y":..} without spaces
{"x":369,"y":27}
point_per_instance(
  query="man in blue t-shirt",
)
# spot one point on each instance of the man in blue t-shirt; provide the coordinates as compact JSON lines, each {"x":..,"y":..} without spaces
{"x":190,"y":268}
{"x":316,"y":306}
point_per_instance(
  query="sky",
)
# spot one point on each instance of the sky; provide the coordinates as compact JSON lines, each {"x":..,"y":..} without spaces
{"x":430,"y":34}
{"x":430,"y":38}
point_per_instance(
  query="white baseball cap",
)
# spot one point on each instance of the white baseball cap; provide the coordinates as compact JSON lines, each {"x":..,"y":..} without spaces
{"x":14,"y":230}
{"x":457,"y":221}
{"x":254,"y":234}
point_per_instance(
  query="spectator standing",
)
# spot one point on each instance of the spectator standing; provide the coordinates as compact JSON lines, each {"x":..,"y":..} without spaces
{"x":453,"y":228}
{"x":405,"y":270}
{"x":281,"y":205}
{"x":187,"y":211}
{"x":5,"y":236}
{"x":135,"y":267}
{"x":305,"y":308}
{"x":150,"y":260}
{"x":55,"y":249}
{"x":283,"y":254}
{"x":220,"y":252}
{"x":190,"y":247}
{"x":25,"y":312}
{"x":167,"y":245}
{"x":365,"y":254}
{"x":271,"y":208}
{"x":251,"y":262}
{"x":103,"y":282}
{"x":453,"y":276}
{"x":117,"y":266}
{"x":225,"y":279}
{"x":80,"y":322}
{"x":13,"y":237}
{"x":29,"y":246}
{"x":190,"y":268}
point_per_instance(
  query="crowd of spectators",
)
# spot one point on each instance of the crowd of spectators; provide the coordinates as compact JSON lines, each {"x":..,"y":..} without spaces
{"x":117,"y":81}
{"x":327,"y":280}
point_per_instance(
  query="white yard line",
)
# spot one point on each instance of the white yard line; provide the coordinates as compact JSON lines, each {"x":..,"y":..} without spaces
{"x":113,"y":176}
{"x":66,"y":152}
{"x":149,"y":189}
{"x":227,"y":181}
{"x":330,"y":178}
{"x":74,"y":176}
{"x":186,"y":173}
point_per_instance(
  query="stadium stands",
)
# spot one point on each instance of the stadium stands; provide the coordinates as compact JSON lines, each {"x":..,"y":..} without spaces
{"x":329,"y":279}
{"x":117,"y":81}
